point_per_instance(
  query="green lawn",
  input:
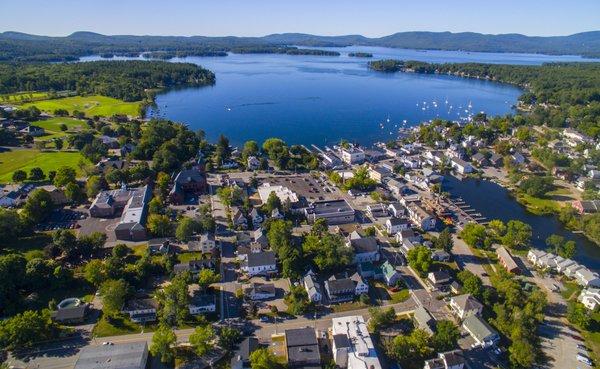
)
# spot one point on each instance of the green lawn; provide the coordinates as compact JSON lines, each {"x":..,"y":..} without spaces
{"x":400,"y":296}
{"x":90,"y":105}
{"x":53,"y":124}
{"x":115,"y":327}
{"x":538,"y":205}
{"x":27,"y":159}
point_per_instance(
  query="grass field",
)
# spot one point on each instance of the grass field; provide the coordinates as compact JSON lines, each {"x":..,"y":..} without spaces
{"x":90,"y":105}
{"x":27,"y":159}
{"x":52,"y":127}
{"x":22,"y":97}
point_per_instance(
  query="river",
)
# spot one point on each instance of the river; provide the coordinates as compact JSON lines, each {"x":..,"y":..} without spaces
{"x":496,"y":202}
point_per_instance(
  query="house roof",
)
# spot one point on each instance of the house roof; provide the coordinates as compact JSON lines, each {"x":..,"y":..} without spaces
{"x":364,"y":245}
{"x":117,"y":356}
{"x":140,"y":304}
{"x":423,"y":318}
{"x":261,"y":258}
{"x":478,"y":327}
{"x":343,"y":285}
{"x":388,"y":269}
{"x":76,"y":312}
{"x":467,"y":302}
{"x":302,"y":346}
{"x":268,"y":288}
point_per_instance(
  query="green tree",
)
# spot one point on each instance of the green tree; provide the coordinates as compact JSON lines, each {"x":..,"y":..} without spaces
{"x":328,"y":251}
{"x":229,"y":337}
{"x":273,"y":202}
{"x":250,"y":149}
{"x":202,"y":340}
{"x":446,"y":336}
{"x":206,"y":277}
{"x":380,"y":318}
{"x":11,"y":226}
{"x":94,"y":185}
{"x":409,"y":348}
{"x":518,"y":234}
{"x":474,"y":234}
{"x":262,"y":358}
{"x":159,"y":225}
{"x":38,"y":206}
{"x":74,"y":193}
{"x":297,"y":300}
{"x":36,"y":174}
{"x":163,"y":342}
{"x":19,"y":176}
{"x":560,"y":246}
{"x":444,"y":241}
{"x":578,"y":315}
{"x":186,"y":227}
{"x":471,"y":283}
{"x":64,"y":175}
{"x":174,"y":300}
{"x":419,"y":259}
{"x":24,"y":330}
{"x":94,"y":272}
{"x":113,"y":293}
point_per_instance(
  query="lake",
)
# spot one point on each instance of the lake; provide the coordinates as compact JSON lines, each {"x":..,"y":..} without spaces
{"x":485,"y":196}
{"x":320,"y":99}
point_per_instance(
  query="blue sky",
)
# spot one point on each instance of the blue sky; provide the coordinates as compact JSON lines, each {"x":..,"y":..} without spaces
{"x":324,"y":17}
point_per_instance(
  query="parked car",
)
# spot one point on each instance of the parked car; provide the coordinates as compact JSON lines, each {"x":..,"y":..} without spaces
{"x":583,"y":359}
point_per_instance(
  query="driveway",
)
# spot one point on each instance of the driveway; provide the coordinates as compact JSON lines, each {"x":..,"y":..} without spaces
{"x":467,"y":260}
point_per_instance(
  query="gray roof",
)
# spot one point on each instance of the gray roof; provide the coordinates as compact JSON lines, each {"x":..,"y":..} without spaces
{"x":118,"y":356}
{"x":341,"y":340}
{"x":76,"y":312}
{"x":479,"y":328}
{"x":248,"y":346}
{"x":423,"y":318}
{"x":336,"y":286}
{"x":331,"y":207}
{"x":261,"y":258}
{"x":365,"y":244}
{"x":302,"y":346}
{"x":140,"y":304}
{"x":467,"y":302}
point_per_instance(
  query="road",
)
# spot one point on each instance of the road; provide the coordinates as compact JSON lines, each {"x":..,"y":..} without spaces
{"x":467,"y":260}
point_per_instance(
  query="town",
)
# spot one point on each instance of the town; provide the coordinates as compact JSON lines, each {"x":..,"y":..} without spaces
{"x":173,"y":249}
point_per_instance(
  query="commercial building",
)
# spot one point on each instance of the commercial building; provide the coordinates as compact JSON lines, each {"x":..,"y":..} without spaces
{"x":132,"y":355}
{"x":187,"y":182}
{"x":352,"y":346}
{"x":353,"y":155}
{"x":302,"y":348}
{"x":333,"y":211}
{"x":260,"y":263}
{"x":283,"y":193}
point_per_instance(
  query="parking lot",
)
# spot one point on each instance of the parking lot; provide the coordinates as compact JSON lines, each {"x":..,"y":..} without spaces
{"x":62,"y":219}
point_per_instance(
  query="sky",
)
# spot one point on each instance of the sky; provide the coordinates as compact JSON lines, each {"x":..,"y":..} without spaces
{"x":371,"y":18}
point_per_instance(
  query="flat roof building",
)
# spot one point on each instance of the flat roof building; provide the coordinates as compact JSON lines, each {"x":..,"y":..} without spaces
{"x":352,"y":344}
{"x":334,"y":211}
{"x":132,"y":355}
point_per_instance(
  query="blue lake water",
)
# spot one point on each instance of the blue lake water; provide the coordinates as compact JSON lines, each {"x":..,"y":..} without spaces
{"x":485,"y":197}
{"x":320,"y":99}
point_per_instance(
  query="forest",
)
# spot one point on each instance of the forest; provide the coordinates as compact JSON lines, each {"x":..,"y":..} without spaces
{"x":124,"y":80}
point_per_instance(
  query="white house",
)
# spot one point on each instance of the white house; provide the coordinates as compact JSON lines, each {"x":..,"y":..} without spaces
{"x":205,"y":243}
{"x":202,"y":303}
{"x":590,"y":297}
{"x":263,"y":262}
{"x":407,"y":234}
{"x":261,"y":291}
{"x":571,"y":269}
{"x":141,"y":310}
{"x":461,"y":166}
{"x":534,"y":255}
{"x":390,"y":274}
{"x":586,"y":277}
{"x":253,"y":163}
{"x":396,"y":209}
{"x":420,"y":217}
{"x":395,"y":225}
{"x":465,"y":305}
{"x":446,"y":360}
{"x":312,"y":287}
{"x":353,"y":155}
{"x":480,"y":331}
{"x":360,"y":287}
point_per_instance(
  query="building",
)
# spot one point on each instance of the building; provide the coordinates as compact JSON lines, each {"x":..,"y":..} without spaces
{"x":34,"y":131}
{"x":312,"y":287}
{"x":201,"y":303}
{"x":187,"y":182}
{"x":360,"y":287}
{"x":205,"y":243}
{"x":534,"y":256}
{"x":352,"y":345}
{"x":395,"y":225}
{"x":194,"y":266}
{"x":396,"y":209}
{"x":479,"y":159}
{"x":131,"y":227}
{"x":480,"y":331}
{"x":260,"y":291}
{"x":424,"y":320}
{"x":465,"y":305}
{"x":420,"y":217}
{"x":438,"y":278}
{"x":446,"y":360}
{"x":133,"y":355}
{"x":365,"y":249}
{"x":586,"y":277}
{"x":390,"y":274}
{"x":253,"y":163}
{"x":590,"y":297}
{"x":353,"y":155}
{"x":255,"y":217}
{"x":575,"y":138}
{"x":333,"y":211}
{"x":407,"y":234}
{"x":496,"y":160}
{"x":141,"y":310}
{"x":396,"y":187}
{"x":461,"y":166}
{"x":302,"y":348}
{"x":283,"y":193}
{"x":378,"y":173}
{"x":586,"y":207}
{"x":238,"y":218}
{"x":340,"y":290}
{"x":440,"y":255}
{"x":377,"y":210}
{"x":571,"y":269}
{"x":241,"y":357}
{"x":260,"y":263}
{"x":507,"y":261}
{"x":71,"y":314}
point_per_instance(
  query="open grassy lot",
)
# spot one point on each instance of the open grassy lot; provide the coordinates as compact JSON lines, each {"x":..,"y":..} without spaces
{"x":52,"y":127}
{"x":27,"y":159}
{"x":20,"y":97}
{"x":90,"y":105}
{"x":118,"y":326}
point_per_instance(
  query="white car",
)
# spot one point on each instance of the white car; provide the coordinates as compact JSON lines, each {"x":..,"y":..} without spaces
{"x":584,"y":359}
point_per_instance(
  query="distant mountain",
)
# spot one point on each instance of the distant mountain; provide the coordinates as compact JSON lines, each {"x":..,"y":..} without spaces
{"x":21,"y":46}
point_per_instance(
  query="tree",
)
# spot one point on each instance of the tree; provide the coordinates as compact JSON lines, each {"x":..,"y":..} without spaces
{"x":518,"y":234}
{"x":262,"y":358}
{"x":560,"y":246}
{"x":328,"y":251}
{"x":202,"y":339}
{"x":537,"y":186}
{"x":162,"y":344}
{"x":250,"y":149}
{"x":36,"y":174}
{"x":174,"y":300}
{"x":229,"y":337}
{"x":206,"y":277}
{"x":58,"y":143}
{"x":273,"y":202}
{"x":19,"y":176}
{"x":159,"y":225}
{"x":446,"y":336}
{"x":410,"y":348}
{"x":297,"y":300}
{"x":230,"y":195}
{"x":186,"y":228}
{"x":25,"y":329}
{"x":94,"y":272}
{"x":471,"y":283}
{"x":578,"y":315}
{"x":73,"y":193}
{"x":419,"y":259}
{"x":474,"y":234}
{"x":94,"y":185}
{"x":121,"y":251}
{"x":64,"y":175}
{"x":114,"y":294}
{"x":444,"y":241}
{"x":38,"y":206}
{"x":380,"y":318}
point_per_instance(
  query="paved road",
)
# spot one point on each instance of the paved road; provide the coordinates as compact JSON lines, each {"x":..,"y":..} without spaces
{"x":467,"y":260}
